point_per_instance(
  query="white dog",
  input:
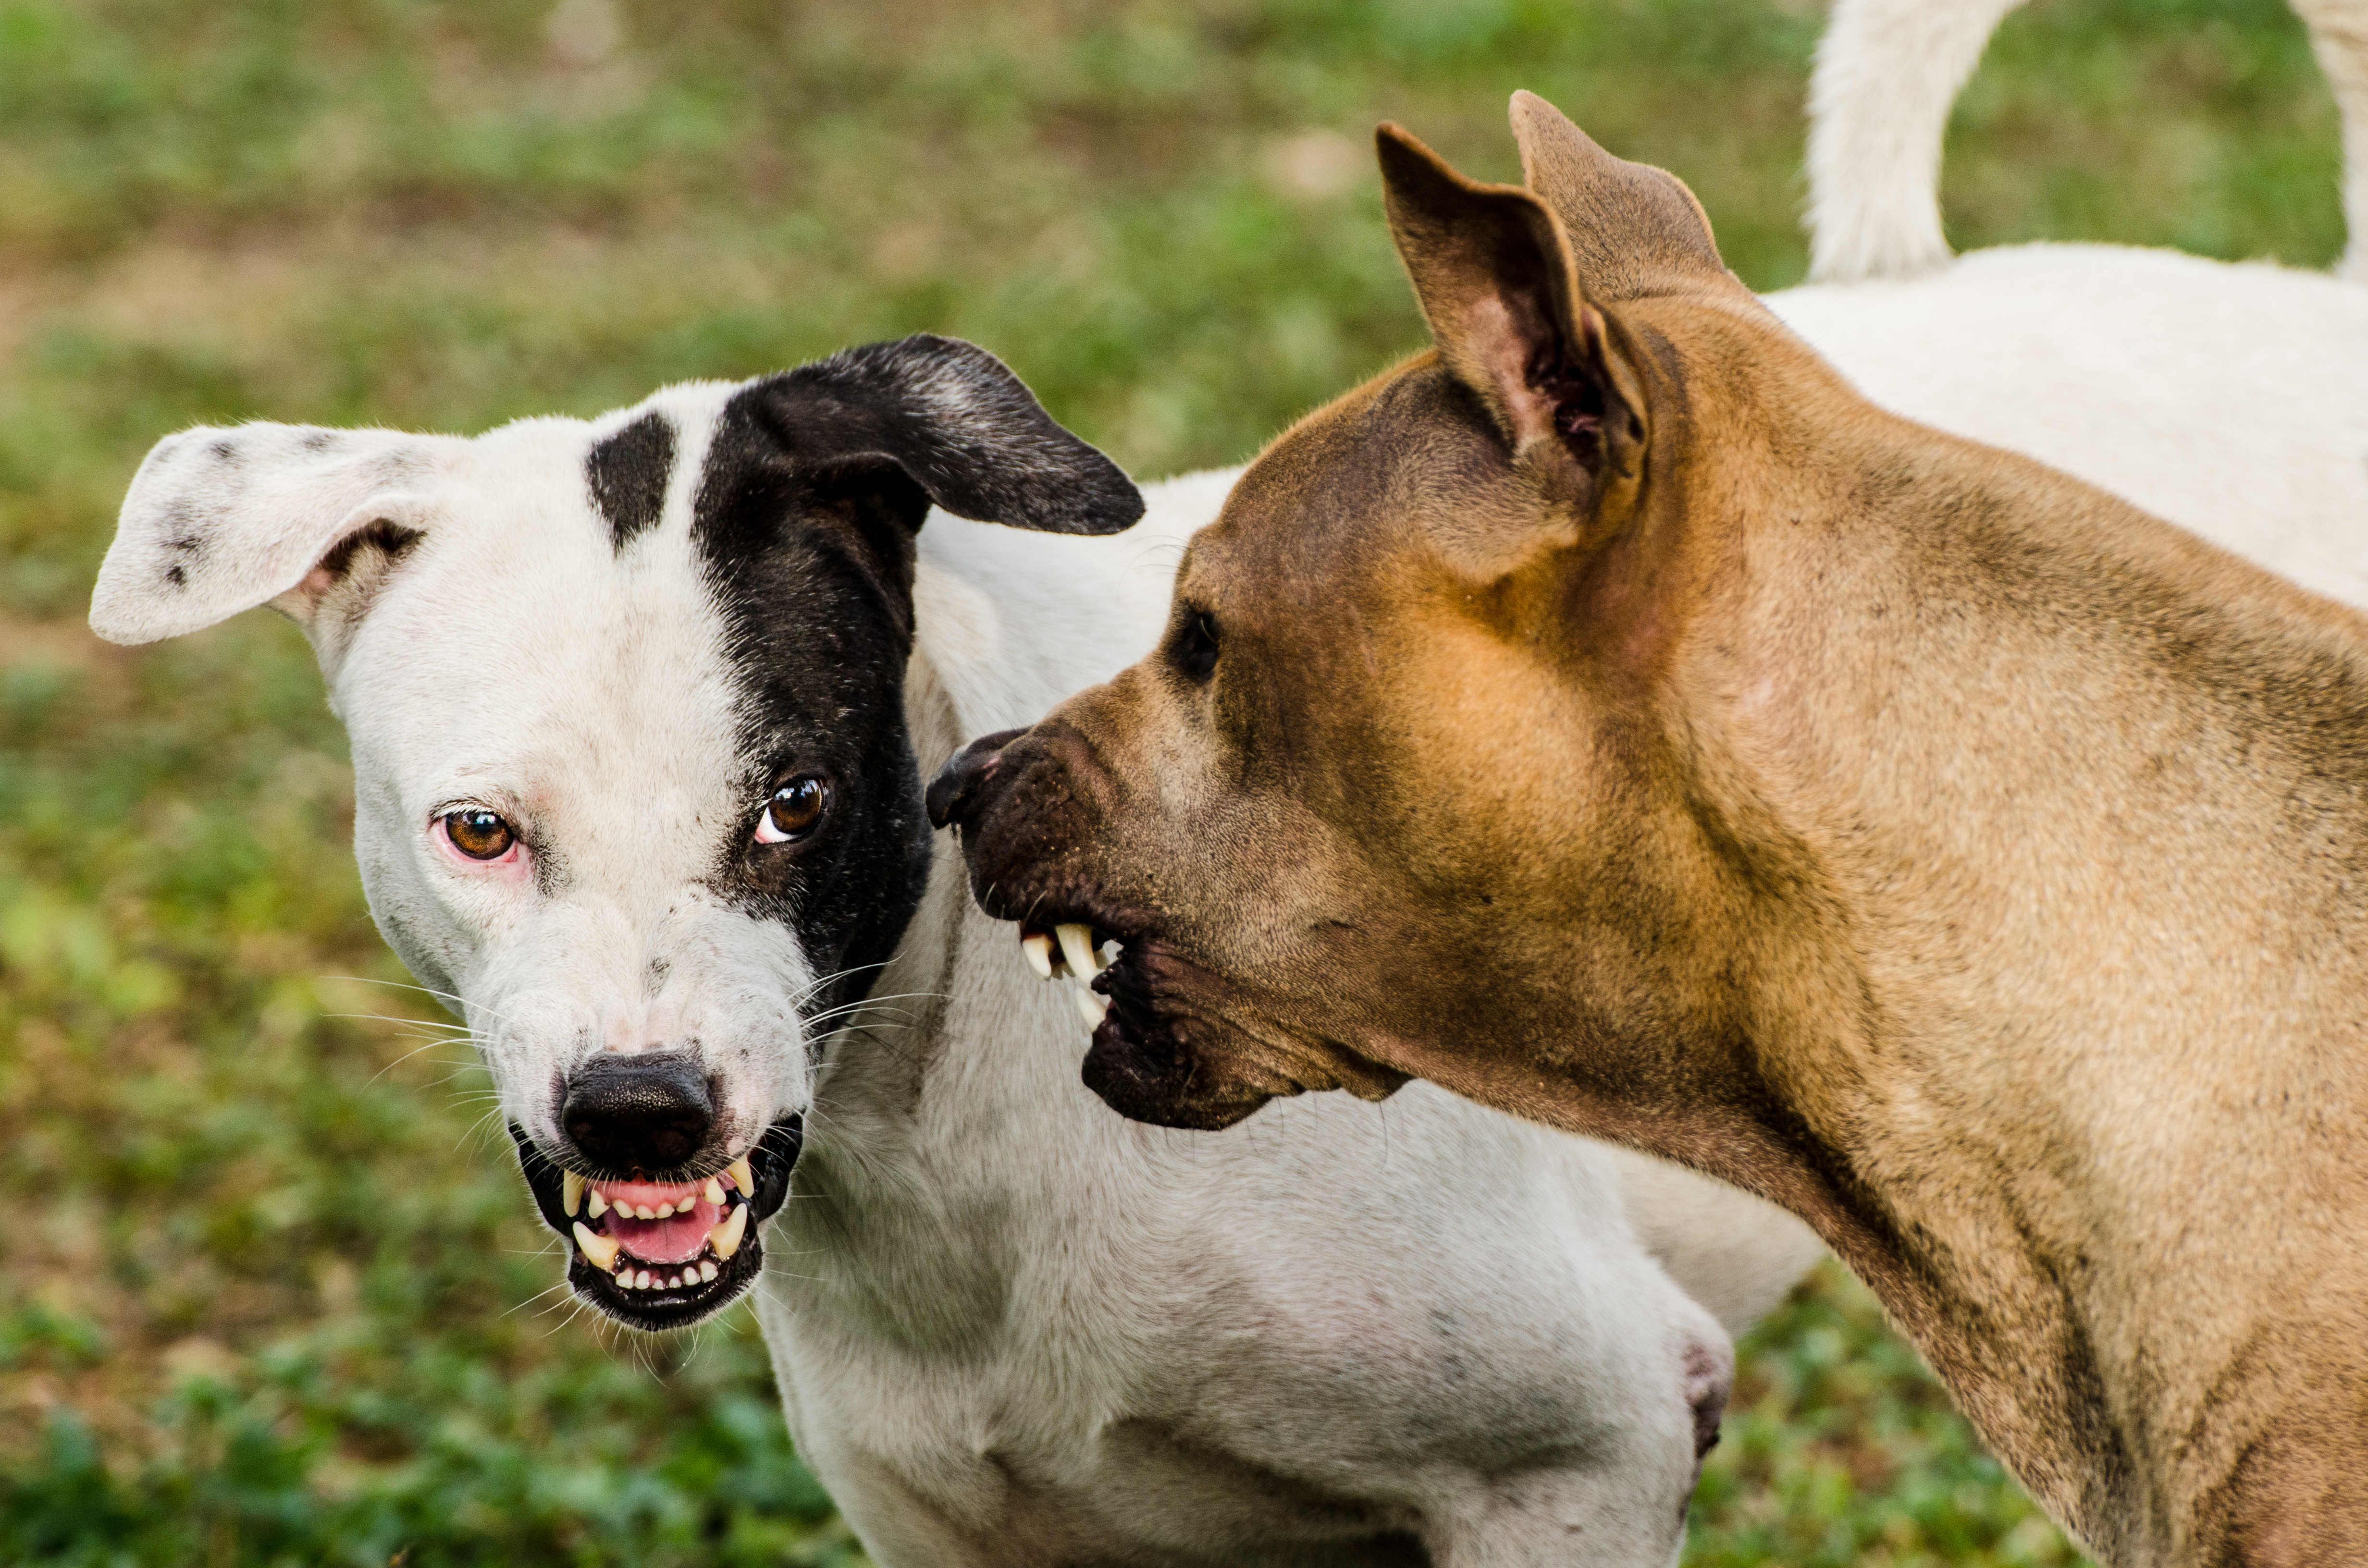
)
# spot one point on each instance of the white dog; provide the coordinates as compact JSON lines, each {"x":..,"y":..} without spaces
{"x":639,"y":709}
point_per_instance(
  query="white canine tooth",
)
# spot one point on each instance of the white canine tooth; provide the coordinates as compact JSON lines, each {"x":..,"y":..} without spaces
{"x":706,"y":1272}
{"x":713,"y":1192}
{"x":599,"y":1251}
{"x":738,"y":1171}
{"x":599,"y":1204}
{"x":645,"y":1212}
{"x":1039,"y":949}
{"x":571,"y":1192}
{"x":1077,"y":946}
{"x":662,"y":1211}
{"x":725,"y":1237}
{"x":675,"y":1283}
{"x":1092,"y":1007}
{"x":640,"y":1279}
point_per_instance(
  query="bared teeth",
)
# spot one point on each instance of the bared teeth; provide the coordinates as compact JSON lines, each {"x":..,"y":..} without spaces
{"x":641,"y":1278}
{"x":599,"y":1204}
{"x":1091,"y":1008}
{"x":571,"y":1192}
{"x":706,"y":1271}
{"x":1078,"y":947}
{"x":741,"y":1177}
{"x":598,"y":1251}
{"x":713,"y":1192}
{"x":1038,"y":946}
{"x":725,"y":1237}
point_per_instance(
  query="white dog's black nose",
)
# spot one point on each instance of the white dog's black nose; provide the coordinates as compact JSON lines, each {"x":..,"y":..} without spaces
{"x":648,"y":1113}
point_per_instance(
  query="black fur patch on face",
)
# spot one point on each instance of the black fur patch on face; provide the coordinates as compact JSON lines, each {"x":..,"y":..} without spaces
{"x":813,"y":570}
{"x":814,"y":486}
{"x":628,"y":473}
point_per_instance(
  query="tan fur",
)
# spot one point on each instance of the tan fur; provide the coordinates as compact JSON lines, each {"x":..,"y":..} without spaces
{"x":1889,"y":825}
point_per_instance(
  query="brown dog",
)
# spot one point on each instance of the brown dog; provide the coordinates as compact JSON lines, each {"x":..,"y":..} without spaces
{"x":1614,"y":718}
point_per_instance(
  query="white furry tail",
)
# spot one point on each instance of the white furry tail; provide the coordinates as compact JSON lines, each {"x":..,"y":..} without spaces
{"x":1888,"y":72}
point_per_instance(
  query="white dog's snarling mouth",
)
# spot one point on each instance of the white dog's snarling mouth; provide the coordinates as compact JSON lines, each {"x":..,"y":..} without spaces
{"x":657,"y":1254}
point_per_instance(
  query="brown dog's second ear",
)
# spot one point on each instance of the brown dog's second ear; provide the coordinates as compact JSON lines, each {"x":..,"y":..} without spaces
{"x":1492,"y":270}
{"x":1635,"y":231}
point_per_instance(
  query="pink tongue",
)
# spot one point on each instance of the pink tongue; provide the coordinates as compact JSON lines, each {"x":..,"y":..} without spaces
{"x":677,"y":1238}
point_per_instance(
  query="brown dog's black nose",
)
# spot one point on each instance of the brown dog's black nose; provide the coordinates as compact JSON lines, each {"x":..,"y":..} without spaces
{"x":647,"y":1113}
{"x":955,"y":790}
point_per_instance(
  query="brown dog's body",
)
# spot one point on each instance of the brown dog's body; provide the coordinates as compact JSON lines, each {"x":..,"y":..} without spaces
{"x":1614,"y":718}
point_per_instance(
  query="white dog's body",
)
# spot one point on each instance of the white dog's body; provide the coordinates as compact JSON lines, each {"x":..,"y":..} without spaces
{"x":1009,"y":1327}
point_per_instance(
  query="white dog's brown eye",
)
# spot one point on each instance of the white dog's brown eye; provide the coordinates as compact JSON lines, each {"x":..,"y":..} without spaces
{"x":480,"y":834}
{"x":795,"y":810}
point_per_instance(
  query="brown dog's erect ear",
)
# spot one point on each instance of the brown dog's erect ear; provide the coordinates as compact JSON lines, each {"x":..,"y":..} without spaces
{"x":1635,"y":231}
{"x":1492,"y":270}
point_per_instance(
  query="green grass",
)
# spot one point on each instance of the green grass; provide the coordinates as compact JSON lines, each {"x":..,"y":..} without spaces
{"x":270,"y":1293}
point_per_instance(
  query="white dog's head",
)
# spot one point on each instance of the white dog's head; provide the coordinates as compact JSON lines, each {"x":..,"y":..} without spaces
{"x":633,"y":783}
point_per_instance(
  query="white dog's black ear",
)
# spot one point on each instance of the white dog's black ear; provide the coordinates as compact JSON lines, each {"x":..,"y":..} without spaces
{"x":963,"y":427}
{"x":222,"y":520}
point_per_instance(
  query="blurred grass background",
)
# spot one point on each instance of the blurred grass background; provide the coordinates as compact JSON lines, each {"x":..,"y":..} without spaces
{"x":269,"y":1292}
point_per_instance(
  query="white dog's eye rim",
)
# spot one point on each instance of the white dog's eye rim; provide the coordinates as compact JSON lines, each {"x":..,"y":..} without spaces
{"x":477,"y":833}
{"x":795,"y":811}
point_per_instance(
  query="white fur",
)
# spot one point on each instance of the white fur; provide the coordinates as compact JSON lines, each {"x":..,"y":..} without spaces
{"x":1887,"y":71}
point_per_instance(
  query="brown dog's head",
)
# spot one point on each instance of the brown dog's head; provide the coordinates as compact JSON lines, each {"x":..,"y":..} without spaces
{"x":1390,"y":778}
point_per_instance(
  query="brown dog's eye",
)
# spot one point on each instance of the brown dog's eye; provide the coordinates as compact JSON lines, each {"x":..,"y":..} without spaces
{"x":1195,"y":648}
{"x":795,"y":811}
{"x":480,"y":834}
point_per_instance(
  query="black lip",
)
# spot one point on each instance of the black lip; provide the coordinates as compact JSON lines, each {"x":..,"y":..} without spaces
{"x":1140,"y":1064}
{"x":771,"y":1162}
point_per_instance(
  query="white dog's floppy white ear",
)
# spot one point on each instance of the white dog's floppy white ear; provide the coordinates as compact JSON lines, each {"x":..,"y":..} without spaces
{"x":222,"y":520}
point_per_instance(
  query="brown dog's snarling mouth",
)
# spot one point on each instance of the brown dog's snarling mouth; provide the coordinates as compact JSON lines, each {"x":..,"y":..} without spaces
{"x":662,"y":1254}
{"x":1138,"y":994}
{"x":1180,"y":1038}
{"x":1158,"y":1019}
